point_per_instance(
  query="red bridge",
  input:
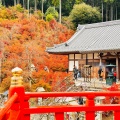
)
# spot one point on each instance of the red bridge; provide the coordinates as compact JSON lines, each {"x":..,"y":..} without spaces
{"x":17,"y":107}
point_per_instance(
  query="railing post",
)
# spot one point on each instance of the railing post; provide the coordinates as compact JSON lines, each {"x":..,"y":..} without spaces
{"x":59,"y":116}
{"x":17,"y":87}
{"x":26,"y":105}
{"x":90,"y":115}
{"x":116,"y":115}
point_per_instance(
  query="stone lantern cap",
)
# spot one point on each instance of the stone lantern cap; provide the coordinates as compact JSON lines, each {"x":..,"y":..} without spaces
{"x":40,"y":89}
{"x":17,"y":69}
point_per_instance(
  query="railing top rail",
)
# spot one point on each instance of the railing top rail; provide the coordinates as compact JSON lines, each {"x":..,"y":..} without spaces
{"x":72,"y":94}
{"x":8,"y":105}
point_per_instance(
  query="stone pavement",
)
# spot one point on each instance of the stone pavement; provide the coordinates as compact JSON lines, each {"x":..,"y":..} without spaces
{"x":93,"y":84}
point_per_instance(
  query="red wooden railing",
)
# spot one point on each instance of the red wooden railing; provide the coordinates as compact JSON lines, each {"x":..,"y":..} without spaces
{"x":89,"y":108}
{"x":8,"y":106}
{"x":17,"y":107}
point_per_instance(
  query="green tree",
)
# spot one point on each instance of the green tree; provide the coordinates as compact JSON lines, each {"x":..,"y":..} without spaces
{"x":82,"y":14}
{"x":109,"y":3}
{"x":49,"y":17}
{"x":55,"y":2}
{"x":67,"y":6}
{"x":52,"y":12}
{"x":78,"y":1}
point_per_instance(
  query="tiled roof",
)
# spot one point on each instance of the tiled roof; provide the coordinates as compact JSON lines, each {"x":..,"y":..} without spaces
{"x":97,"y":37}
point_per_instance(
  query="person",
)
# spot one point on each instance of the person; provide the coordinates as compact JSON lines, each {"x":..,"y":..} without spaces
{"x":99,"y":73}
{"x":114,"y":74}
{"x":75,"y":71}
{"x":79,"y":74}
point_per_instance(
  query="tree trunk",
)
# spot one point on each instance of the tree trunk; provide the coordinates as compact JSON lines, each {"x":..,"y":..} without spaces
{"x":18,"y":1}
{"x":14,"y":2}
{"x":116,"y":12}
{"x":28,"y":7}
{"x":106,"y":12}
{"x":111,"y":9}
{"x":1,"y":2}
{"x":42,"y":9}
{"x":102,"y":11}
{"x":60,"y":11}
{"x":35,"y":5}
{"x":24,"y":4}
{"x":93,"y":3}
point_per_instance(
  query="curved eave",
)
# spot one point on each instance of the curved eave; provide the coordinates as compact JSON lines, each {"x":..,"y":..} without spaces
{"x":83,"y":52}
{"x":64,"y":53}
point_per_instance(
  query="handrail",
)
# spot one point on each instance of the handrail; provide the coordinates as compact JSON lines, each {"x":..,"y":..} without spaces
{"x":8,"y":105}
{"x":90,"y":107}
{"x":72,"y":94}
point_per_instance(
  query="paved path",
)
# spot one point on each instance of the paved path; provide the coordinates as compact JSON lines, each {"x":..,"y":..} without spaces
{"x":93,"y":84}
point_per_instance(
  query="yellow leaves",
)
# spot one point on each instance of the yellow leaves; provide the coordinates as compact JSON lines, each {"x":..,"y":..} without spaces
{"x":6,"y":83}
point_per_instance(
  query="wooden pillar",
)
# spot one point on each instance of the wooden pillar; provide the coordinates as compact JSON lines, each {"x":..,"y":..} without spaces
{"x":90,"y":102}
{"x":86,"y":59}
{"x":59,"y":116}
{"x":117,"y":68}
{"x":116,"y":115}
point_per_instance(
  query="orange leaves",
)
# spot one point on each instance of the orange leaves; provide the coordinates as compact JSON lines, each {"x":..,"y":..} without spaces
{"x":15,"y":47}
{"x":27,"y":86}
{"x":62,"y":37}
{"x":58,"y":62}
{"x":27,"y":29}
{"x":53,"y":23}
{"x":42,"y":24}
{"x":27,"y":39}
{"x":6,"y":23}
{"x":40,"y":74}
{"x":41,"y":83}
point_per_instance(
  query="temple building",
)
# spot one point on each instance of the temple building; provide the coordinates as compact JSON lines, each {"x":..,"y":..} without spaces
{"x":95,"y":44}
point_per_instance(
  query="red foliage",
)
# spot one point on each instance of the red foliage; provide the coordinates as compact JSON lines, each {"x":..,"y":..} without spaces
{"x":27,"y":40}
{"x":114,"y":99}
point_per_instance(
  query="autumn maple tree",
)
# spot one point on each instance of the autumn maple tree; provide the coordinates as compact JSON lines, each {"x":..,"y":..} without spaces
{"x":23,"y":42}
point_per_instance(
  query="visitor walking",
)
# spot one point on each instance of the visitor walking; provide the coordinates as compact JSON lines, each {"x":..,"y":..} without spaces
{"x":75,"y":72}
